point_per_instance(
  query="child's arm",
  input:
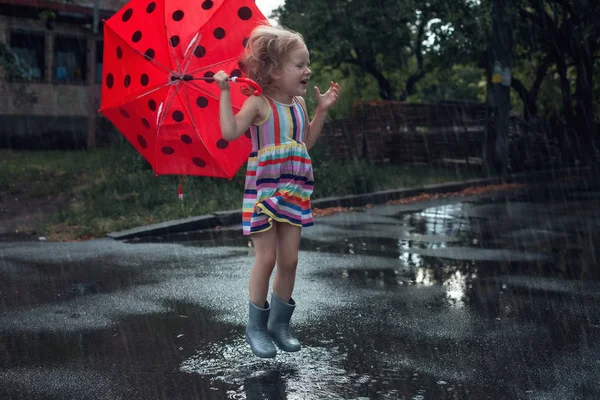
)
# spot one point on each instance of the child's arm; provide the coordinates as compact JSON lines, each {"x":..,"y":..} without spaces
{"x":315,"y":127}
{"x":324,"y":103}
{"x":232,"y":126}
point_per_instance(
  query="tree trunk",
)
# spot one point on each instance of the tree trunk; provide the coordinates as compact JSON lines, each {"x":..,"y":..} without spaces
{"x":584,"y":106}
{"x":529,"y":97}
{"x":410,"y":85}
{"x":501,"y":57}
{"x":418,"y":51}
{"x":385,"y":89}
{"x":569,"y":135}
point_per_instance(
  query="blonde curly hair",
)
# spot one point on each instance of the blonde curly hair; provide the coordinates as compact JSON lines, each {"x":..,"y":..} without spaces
{"x":267,"y":48}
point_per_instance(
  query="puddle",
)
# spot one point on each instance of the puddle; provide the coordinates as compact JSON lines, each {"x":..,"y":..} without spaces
{"x":45,"y":282}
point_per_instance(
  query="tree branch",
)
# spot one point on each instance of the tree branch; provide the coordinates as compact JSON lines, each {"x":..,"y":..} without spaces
{"x":418,"y":51}
{"x":540,"y":75}
{"x":520,"y":88}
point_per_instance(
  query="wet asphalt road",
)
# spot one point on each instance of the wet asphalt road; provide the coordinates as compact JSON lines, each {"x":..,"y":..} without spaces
{"x":489,"y":297}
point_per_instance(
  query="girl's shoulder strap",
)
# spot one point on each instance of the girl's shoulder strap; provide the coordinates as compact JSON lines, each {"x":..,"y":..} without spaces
{"x":306,"y":121}
{"x":265,"y":107}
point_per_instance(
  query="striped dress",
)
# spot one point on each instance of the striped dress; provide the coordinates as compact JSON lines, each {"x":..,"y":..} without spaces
{"x":279,"y":177}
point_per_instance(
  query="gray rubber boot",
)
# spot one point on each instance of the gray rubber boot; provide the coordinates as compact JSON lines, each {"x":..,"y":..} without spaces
{"x":256,"y":332}
{"x":279,"y":324}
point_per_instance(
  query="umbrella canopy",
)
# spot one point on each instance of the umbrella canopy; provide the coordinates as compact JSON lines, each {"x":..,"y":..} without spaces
{"x":159,"y":57}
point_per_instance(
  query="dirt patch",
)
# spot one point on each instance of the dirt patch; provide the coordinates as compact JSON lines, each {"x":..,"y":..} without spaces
{"x":21,"y":215}
{"x":476,"y":190}
{"x":471,"y":191}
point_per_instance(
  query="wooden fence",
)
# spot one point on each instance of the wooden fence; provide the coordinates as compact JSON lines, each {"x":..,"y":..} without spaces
{"x":396,"y":132}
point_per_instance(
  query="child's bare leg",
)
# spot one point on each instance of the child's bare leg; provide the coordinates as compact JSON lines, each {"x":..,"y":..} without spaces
{"x":257,"y":334}
{"x":282,"y":304}
{"x":288,"y":245}
{"x":265,"y":246}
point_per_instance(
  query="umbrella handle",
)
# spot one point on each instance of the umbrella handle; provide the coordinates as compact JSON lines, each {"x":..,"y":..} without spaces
{"x":255,"y":86}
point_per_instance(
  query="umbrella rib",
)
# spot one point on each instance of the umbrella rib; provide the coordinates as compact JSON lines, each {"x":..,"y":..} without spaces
{"x":212,"y":65}
{"x":151,"y":60}
{"x":172,"y":49}
{"x":199,"y":37}
{"x":203,"y":90}
{"x":187,"y":99}
{"x":214,"y":13}
{"x":168,"y":107}
{"x":187,"y":59}
{"x":207,"y":92}
{"x":155,"y":89}
{"x":196,"y":129}
{"x":156,"y":63}
{"x":162,"y":119}
{"x":139,"y":96}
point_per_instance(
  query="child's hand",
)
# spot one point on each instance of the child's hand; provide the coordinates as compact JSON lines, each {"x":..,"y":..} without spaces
{"x":221,"y":79}
{"x":325,"y":101}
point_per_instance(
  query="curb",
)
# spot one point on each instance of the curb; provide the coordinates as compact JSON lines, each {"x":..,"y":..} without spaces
{"x":232,"y":217}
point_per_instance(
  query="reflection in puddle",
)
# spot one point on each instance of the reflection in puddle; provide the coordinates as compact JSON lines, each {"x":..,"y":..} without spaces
{"x":456,"y":288}
{"x":442,"y":220}
{"x":314,"y":372}
{"x":455,"y":280}
{"x":374,"y":276}
{"x":428,"y":271}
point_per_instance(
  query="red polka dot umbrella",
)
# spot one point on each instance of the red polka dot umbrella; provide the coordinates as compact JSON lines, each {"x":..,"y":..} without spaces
{"x":159,"y":57}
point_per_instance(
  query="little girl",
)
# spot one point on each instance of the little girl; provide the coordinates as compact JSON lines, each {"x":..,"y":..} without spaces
{"x":279,"y":177}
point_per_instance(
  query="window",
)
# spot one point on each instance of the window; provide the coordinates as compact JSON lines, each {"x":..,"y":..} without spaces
{"x":70,"y":59}
{"x":99,"y":60}
{"x":27,"y":61}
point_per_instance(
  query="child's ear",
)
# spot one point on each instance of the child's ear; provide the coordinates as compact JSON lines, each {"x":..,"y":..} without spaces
{"x":276,"y":74}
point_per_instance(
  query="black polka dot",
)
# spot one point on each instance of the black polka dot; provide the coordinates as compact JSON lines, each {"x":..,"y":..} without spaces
{"x":236,"y":72}
{"x":110,"y":81}
{"x":199,"y":162}
{"x":245,"y":13}
{"x":168,"y":150}
{"x":186,"y":139}
{"x":152,"y":105}
{"x":174,"y":41}
{"x":245,"y":42}
{"x":136,"y":37}
{"x":145,"y":123}
{"x":151,"y":7}
{"x":124,"y":113}
{"x":127,"y":15}
{"x":219,"y":33}
{"x":248,"y":134}
{"x":207,"y":5}
{"x":142,"y":142}
{"x":177,"y":116}
{"x":127,"y":81}
{"x":149,"y":54}
{"x":200,"y":52}
{"x":144,"y":80}
{"x":222,"y":144}
{"x":202,"y":102}
{"x":119,"y":52}
{"x":209,"y":75}
{"x":178,"y":15}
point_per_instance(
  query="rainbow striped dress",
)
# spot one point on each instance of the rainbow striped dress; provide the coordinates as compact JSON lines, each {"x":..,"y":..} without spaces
{"x":279,"y":176}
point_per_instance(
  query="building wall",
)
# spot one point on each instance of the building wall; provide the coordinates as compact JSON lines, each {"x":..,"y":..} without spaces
{"x":44,"y":99}
{"x":48,"y":109}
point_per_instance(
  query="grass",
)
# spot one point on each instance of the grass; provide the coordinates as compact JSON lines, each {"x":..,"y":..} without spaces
{"x":115,"y":188}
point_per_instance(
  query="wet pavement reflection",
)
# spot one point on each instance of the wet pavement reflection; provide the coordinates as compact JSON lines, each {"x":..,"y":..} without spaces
{"x":482,"y":297}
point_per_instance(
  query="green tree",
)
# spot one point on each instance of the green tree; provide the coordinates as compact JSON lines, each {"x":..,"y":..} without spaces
{"x":387,"y":39}
{"x":561,"y":37}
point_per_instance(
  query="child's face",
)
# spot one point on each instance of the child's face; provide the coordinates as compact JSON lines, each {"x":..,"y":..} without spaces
{"x":292,"y":77}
